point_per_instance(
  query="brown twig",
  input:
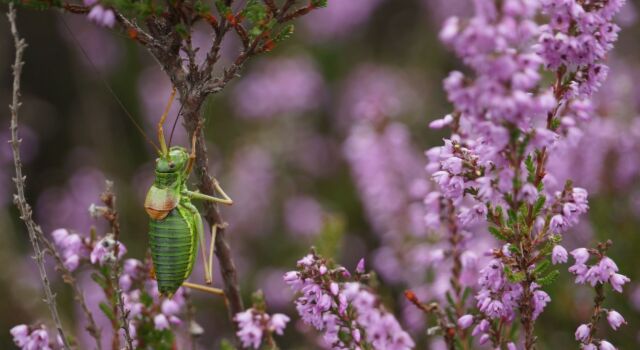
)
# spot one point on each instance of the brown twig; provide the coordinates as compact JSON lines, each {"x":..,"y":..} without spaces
{"x":108,"y":197}
{"x":455,"y":240}
{"x":448,"y":329}
{"x":19,"y":198}
{"x":212,"y":214}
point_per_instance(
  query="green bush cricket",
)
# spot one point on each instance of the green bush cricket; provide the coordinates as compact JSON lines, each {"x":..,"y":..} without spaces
{"x":175,"y":225}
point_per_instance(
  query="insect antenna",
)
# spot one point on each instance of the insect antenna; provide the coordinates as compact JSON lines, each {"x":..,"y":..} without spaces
{"x":175,"y":122}
{"x":107,"y":86}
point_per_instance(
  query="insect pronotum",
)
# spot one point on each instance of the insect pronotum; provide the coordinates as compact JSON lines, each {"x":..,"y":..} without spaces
{"x":175,"y":225}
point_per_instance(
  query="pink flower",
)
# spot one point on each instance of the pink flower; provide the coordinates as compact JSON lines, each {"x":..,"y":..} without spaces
{"x":360,"y":266}
{"x":102,"y":16}
{"x":605,"y":345}
{"x":170,"y":307}
{"x":161,"y":322}
{"x":59,"y":235}
{"x":278,"y":322}
{"x":615,"y":319}
{"x":465,"y":321}
{"x":20,"y":335}
{"x":582,"y":333}
{"x":617,"y":281}
{"x":559,"y":255}
{"x":581,"y":255}
{"x":72,"y":262}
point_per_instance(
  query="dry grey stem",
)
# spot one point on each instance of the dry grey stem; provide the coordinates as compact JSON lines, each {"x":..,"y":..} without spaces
{"x":19,"y":198}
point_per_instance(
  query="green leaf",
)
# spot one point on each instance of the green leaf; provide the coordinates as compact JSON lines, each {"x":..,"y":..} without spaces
{"x":201,"y":7}
{"x":465,"y":295}
{"x":106,"y":309}
{"x":538,"y":205}
{"x":513,"y":217}
{"x":548,"y":247}
{"x":514,"y":277}
{"x":285,"y":33}
{"x":531,"y":168}
{"x":513,"y":333}
{"x":497,"y":234}
{"x":319,"y":3}
{"x":255,"y":11}
{"x":450,"y":300}
{"x":222,"y":8}
{"x":548,"y":279}
{"x":182,"y":30}
{"x":226,"y":345}
{"x":146,"y":300}
{"x":99,"y":279}
{"x":542,"y":267}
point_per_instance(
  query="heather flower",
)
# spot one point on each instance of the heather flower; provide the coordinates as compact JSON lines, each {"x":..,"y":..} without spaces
{"x":360,"y":266}
{"x":104,"y":251}
{"x":102,"y":16}
{"x":72,"y":247}
{"x":374,"y":94}
{"x":582,"y":333}
{"x":323,"y":301}
{"x":249,"y":332}
{"x":160,"y":322}
{"x":502,"y":106}
{"x":605,"y":345}
{"x":20,"y":334}
{"x":540,"y":301}
{"x":30,"y":339}
{"x":304,"y":216}
{"x":339,"y":18}
{"x":387,"y":171}
{"x":465,"y":321}
{"x":617,"y":281}
{"x":559,"y":255}
{"x":278,"y":322}
{"x":252,"y":182}
{"x":279,"y":87}
{"x":615,"y":319}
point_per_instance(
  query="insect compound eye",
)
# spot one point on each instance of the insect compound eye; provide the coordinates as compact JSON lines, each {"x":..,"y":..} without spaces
{"x":172,"y":165}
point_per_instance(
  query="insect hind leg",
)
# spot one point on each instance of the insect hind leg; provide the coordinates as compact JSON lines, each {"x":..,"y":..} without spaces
{"x":206,"y":289}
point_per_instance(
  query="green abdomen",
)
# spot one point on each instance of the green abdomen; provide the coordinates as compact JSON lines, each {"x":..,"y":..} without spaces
{"x":173,"y":249}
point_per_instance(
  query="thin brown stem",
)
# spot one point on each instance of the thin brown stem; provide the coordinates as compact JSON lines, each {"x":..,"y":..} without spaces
{"x":19,"y":198}
{"x":108,"y":197}
{"x":447,"y":328}
{"x":455,"y":239}
{"x":597,"y":312}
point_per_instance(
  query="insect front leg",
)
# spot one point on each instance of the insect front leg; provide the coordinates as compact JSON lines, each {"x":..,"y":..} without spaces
{"x":192,"y":155}
{"x":197,"y":195}
{"x":163,"y":143}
